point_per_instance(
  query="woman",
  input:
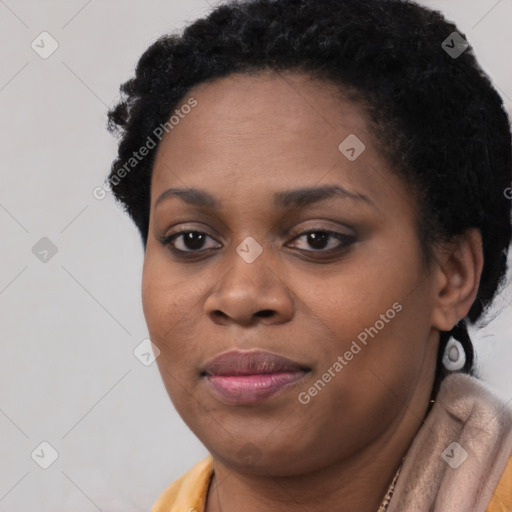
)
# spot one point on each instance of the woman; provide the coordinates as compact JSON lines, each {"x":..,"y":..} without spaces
{"x":320,"y":188}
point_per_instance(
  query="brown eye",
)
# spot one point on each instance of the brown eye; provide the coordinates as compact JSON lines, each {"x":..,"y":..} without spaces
{"x":187,"y":241}
{"x":325,"y":241}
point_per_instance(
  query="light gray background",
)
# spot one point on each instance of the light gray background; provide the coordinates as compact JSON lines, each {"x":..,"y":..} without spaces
{"x":68,"y":374}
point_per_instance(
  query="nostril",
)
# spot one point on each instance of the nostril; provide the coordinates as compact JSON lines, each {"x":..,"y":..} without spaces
{"x":265,"y":312}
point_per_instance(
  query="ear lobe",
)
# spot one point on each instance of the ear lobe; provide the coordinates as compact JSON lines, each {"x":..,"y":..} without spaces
{"x":459,"y":275}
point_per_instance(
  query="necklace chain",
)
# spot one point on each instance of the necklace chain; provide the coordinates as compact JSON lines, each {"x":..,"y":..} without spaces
{"x":387,"y":499}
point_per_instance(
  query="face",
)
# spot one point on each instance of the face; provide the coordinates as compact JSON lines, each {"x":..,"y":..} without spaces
{"x":294,"y":246}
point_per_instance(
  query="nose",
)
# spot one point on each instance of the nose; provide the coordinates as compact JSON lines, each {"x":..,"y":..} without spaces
{"x":248,"y":293}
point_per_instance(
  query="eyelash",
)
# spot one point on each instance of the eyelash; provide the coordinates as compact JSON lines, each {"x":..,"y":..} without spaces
{"x":345,"y":241}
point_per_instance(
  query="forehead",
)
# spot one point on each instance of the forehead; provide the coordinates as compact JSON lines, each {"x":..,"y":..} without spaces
{"x":253,"y":134}
{"x":287,"y":94}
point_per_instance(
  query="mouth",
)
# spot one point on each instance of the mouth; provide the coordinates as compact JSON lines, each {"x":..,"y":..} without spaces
{"x":245,"y":377}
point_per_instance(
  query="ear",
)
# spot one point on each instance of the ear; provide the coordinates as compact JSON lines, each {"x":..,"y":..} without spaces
{"x":458,"y":277}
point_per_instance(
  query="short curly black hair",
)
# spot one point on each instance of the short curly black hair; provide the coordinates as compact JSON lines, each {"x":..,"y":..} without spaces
{"x":435,"y":114}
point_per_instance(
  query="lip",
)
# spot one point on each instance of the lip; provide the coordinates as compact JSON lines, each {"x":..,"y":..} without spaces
{"x":244,"y":377}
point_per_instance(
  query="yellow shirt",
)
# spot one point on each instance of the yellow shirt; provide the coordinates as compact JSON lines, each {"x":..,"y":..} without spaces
{"x":188,"y":493}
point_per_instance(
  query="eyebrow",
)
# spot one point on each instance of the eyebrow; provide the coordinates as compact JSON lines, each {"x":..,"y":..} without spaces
{"x":297,"y":198}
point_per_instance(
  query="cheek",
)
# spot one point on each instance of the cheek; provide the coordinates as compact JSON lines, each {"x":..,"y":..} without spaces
{"x":170,"y":310}
{"x":154,"y":300}
{"x":168,"y":306}
{"x":375,"y":310}
{"x":352,"y":299}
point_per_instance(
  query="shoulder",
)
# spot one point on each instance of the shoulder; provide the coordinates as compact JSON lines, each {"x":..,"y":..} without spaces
{"x":501,"y":500}
{"x":187,"y":492}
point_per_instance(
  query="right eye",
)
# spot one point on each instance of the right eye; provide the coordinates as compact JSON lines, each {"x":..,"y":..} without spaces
{"x":191,"y":241}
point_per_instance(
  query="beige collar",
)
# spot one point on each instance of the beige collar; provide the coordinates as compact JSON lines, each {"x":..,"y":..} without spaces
{"x":457,"y":457}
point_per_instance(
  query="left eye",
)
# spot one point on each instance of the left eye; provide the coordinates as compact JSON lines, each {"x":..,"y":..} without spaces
{"x":319,"y":239}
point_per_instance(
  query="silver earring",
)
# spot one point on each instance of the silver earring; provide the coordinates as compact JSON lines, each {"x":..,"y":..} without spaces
{"x":454,"y":357}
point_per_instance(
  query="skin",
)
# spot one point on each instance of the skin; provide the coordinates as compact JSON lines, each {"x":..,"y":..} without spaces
{"x":247,"y":138}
